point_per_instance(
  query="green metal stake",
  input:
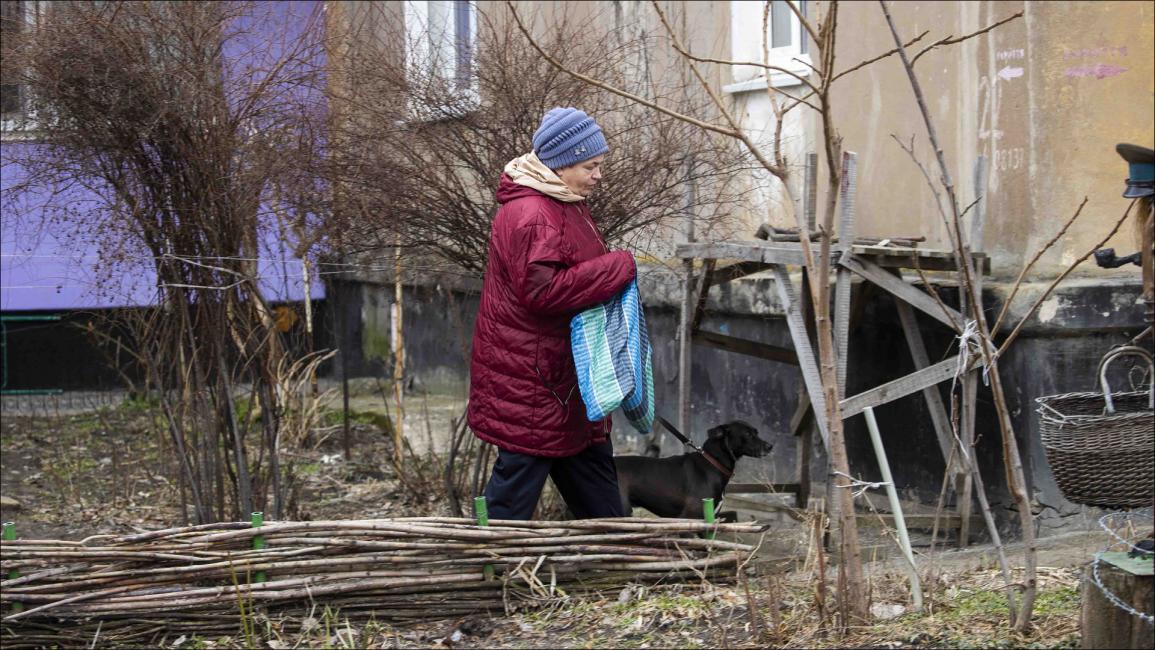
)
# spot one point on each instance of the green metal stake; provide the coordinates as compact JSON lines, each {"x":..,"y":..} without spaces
{"x":708,"y":515}
{"x":258,"y":520}
{"x":481,"y":508}
{"x":10,"y":536}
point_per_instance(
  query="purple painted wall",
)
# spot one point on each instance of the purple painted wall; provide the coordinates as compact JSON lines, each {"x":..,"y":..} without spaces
{"x":53,"y":264}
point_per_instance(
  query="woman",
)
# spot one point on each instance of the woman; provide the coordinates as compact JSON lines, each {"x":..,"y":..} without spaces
{"x":547,"y":261}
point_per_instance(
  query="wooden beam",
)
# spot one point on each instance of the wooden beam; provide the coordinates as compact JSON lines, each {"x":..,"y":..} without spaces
{"x":934,"y":403}
{"x":746,"y":251}
{"x":802,"y":413}
{"x":802,"y":348}
{"x":901,"y":387}
{"x":734,"y":271}
{"x":753,"y":505}
{"x":703,"y":292}
{"x":747,"y":347}
{"x":900,"y":289}
{"x":913,"y":258}
{"x":843,"y":279}
{"x":684,"y":335}
{"x":763,"y":488}
{"x":920,"y":521}
{"x":964,"y":487}
{"x":805,"y":445}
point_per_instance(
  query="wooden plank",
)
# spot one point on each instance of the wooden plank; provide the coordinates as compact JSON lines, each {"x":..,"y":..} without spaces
{"x":747,"y":347}
{"x":938,"y":412}
{"x":900,"y":289}
{"x":703,"y":291}
{"x":747,"y":251}
{"x":842,"y":286}
{"x":763,"y":488}
{"x":979,"y":216}
{"x":811,"y":209}
{"x":901,"y":387}
{"x":684,"y":336}
{"x":844,"y":283}
{"x":802,"y":413}
{"x":965,"y":484}
{"x":913,"y":258}
{"x":920,"y":521}
{"x":802,"y":348}
{"x":805,"y":447}
{"x":732,"y":272}
{"x":969,"y":409}
{"x":753,"y":505}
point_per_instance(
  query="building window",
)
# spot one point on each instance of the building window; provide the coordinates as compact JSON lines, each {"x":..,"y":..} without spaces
{"x":12,"y":94}
{"x":441,"y":38}
{"x":787,"y":43}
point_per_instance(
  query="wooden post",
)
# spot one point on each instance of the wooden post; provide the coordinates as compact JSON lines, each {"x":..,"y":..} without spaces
{"x":1105,"y":624}
{"x":964,"y":483}
{"x":843,"y":285}
{"x":685,"y":334}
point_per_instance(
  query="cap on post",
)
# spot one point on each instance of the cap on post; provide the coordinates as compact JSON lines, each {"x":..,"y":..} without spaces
{"x":1140,"y":172}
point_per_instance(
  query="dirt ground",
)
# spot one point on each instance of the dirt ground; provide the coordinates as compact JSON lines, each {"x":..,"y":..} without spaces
{"x":67,"y":475}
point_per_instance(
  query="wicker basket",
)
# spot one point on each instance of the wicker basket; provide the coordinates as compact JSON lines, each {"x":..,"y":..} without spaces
{"x":1101,"y":446}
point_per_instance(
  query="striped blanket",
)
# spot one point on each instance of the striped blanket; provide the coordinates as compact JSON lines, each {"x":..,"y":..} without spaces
{"x":613,"y":358}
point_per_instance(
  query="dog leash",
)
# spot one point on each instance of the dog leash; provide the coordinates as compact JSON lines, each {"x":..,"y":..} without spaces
{"x":689,"y":443}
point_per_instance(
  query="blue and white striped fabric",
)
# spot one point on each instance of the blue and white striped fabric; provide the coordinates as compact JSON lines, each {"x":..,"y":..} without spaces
{"x":614,"y":360}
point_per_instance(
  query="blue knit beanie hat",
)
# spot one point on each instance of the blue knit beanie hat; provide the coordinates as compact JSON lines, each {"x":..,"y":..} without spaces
{"x":566,"y":137}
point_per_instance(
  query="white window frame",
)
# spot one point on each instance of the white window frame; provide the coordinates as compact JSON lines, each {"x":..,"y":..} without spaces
{"x":746,"y":45}
{"x":420,"y":41}
{"x":27,"y":125}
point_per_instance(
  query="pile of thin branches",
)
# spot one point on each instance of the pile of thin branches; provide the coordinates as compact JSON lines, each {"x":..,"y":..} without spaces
{"x":204,"y":579}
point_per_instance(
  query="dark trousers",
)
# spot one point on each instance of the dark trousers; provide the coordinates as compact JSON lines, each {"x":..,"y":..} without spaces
{"x":587,"y":481}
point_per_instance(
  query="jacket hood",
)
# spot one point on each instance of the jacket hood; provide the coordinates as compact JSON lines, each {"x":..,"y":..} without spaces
{"x":508,"y":190}
{"x":529,"y":171}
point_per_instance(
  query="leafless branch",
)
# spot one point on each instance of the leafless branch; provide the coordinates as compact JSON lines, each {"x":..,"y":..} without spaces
{"x":880,"y":57}
{"x":1026,"y":269}
{"x":951,"y":41}
{"x":617,"y":91}
{"x":1054,"y":283}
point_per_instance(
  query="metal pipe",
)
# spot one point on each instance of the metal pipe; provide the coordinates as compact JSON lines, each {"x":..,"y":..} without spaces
{"x":895,"y":508}
{"x":10,"y":536}
{"x":481,"y":509}
{"x":258,"y":520}
{"x":708,"y":515}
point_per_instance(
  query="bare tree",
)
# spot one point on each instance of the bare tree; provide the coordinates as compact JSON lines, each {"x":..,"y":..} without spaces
{"x":167,"y":127}
{"x":421,"y":150}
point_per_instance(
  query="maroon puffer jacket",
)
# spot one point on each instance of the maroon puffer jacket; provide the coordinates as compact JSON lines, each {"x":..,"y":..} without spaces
{"x":547,"y":262}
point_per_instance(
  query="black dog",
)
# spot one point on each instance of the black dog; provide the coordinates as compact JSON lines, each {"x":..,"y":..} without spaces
{"x":675,"y":486}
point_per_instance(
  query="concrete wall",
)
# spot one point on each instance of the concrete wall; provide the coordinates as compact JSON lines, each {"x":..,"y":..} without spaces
{"x":1053,"y":356}
{"x":1045,"y":98}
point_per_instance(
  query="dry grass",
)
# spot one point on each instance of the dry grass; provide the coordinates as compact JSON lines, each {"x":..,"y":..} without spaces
{"x":56,"y":467}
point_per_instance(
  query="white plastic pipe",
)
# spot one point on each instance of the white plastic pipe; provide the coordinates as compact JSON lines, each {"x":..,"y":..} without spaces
{"x":892,"y":494}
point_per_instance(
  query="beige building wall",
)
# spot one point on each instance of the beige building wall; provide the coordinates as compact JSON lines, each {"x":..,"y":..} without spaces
{"x":1044,"y":98}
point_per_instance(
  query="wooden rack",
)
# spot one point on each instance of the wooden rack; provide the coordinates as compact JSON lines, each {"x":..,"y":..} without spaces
{"x":879,"y":267}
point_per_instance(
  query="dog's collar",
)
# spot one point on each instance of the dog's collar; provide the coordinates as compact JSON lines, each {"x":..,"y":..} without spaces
{"x":717,"y":465}
{"x":689,"y":443}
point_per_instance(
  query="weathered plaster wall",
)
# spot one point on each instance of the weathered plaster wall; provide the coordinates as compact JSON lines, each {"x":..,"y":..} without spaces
{"x":1045,"y":98}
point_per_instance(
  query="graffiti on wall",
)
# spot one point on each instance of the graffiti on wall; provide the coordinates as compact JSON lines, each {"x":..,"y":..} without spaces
{"x":1096,"y":69}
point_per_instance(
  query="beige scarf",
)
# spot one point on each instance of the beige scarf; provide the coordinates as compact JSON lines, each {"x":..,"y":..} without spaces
{"x":530,"y":171}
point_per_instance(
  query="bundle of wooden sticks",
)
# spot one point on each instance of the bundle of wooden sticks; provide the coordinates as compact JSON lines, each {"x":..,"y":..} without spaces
{"x":201,"y":578}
